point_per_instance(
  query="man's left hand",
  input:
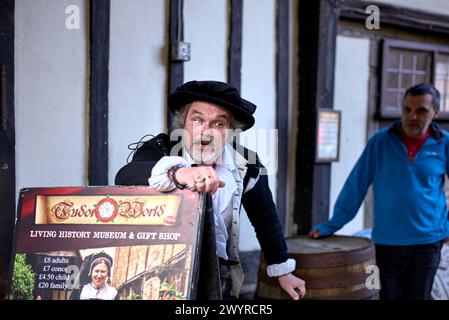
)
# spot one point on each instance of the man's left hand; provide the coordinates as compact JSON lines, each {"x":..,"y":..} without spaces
{"x":293,"y":285}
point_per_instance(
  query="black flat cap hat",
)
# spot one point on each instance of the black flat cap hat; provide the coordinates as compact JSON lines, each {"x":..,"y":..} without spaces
{"x":219,"y":93}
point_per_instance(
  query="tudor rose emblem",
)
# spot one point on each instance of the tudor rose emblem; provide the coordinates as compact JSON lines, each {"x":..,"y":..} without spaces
{"x":106,"y":210}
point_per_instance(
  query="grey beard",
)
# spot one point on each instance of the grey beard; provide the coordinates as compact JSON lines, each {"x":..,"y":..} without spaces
{"x":202,"y":157}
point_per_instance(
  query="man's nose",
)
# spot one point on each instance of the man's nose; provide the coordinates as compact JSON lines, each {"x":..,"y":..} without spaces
{"x":412,"y":116}
{"x":207,"y":136}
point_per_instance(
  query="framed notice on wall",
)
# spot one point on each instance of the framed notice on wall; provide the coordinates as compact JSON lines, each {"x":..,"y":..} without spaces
{"x":110,"y":243}
{"x":328,"y":135}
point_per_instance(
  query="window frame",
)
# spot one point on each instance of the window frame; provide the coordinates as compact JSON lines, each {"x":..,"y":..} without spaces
{"x":388,"y":44}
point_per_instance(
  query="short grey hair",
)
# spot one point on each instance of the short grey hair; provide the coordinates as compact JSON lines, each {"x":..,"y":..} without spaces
{"x":179,"y":119}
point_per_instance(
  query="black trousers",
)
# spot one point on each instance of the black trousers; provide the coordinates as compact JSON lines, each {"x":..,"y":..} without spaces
{"x":407,"y":272}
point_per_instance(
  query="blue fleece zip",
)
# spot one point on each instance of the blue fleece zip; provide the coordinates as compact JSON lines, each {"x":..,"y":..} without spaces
{"x":409,"y":200}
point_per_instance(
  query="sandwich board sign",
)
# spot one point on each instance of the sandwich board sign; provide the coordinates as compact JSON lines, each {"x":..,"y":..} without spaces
{"x":127,"y":243}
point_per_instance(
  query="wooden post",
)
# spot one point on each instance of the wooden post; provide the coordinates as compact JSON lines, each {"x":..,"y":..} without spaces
{"x":282,"y":105}
{"x":317,"y":37}
{"x":235,"y":44}
{"x":99,"y":88}
{"x":175,"y":68}
{"x":7,"y":140}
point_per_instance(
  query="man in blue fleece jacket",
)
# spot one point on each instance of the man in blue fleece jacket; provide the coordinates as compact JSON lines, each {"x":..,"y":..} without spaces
{"x":406,"y":164}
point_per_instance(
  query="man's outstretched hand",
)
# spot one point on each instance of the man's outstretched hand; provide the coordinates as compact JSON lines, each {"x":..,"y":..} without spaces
{"x":293,"y":285}
{"x":315,"y":234}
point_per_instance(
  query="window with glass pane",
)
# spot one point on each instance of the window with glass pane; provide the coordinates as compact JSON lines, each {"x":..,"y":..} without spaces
{"x":404,"y":66}
{"x":442,"y":80}
{"x":406,"y":63}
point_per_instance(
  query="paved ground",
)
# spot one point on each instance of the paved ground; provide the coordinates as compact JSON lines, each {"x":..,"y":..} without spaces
{"x":250,"y":264}
{"x":440,"y":290}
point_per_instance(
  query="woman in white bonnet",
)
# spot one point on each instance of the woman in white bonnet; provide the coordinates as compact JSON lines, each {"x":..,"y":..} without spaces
{"x":99,"y":272}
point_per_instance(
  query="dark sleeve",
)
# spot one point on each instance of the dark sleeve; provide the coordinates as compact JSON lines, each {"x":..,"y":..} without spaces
{"x":135,"y":173}
{"x":138,"y":171}
{"x":261,"y":211}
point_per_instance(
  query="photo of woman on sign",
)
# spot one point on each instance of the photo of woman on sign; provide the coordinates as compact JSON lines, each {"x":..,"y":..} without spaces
{"x":98,"y":288}
{"x":99,"y":271}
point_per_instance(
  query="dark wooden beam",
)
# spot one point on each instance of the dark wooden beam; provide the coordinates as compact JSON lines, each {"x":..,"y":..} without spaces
{"x":99,"y":87}
{"x":282,"y":104}
{"x":235,"y":44}
{"x":7,"y":140}
{"x":317,"y":38}
{"x":395,"y":16}
{"x":175,"y":33}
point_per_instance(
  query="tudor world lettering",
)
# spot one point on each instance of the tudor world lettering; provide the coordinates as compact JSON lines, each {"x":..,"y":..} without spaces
{"x":111,"y":209}
{"x":127,"y":209}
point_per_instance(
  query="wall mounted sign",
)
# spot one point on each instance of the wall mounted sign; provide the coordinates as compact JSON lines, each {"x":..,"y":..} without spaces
{"x":328,"y":135}
{"x":106,"y":243}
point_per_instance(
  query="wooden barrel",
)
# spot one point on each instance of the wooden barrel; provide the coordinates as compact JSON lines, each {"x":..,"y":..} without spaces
{"x":335,"y":268}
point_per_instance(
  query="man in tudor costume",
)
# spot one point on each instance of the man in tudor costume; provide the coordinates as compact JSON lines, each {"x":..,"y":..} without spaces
{"x":206,"y":115}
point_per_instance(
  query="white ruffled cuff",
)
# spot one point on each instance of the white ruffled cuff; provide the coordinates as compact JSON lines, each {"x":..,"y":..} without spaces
{"x":276,"y":270}
{"x":159,"y":178}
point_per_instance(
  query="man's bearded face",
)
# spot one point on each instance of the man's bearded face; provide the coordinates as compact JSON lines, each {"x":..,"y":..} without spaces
{"x":206,"y":131}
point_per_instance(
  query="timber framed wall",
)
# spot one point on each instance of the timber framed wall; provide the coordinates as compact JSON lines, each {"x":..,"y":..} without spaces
{"x":321,"y":20}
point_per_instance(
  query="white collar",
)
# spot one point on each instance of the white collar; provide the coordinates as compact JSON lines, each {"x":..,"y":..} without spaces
{"x":97,"y":288}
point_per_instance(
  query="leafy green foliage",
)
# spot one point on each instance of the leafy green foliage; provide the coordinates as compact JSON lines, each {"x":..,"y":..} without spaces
{"x":22,"y":280}
{"x":168,"y":292}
